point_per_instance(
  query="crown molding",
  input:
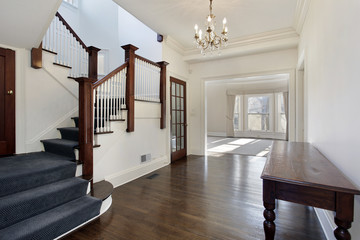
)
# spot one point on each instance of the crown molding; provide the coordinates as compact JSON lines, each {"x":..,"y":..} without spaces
{"x":302,"y":8}
{"x":269,"y":41}
{"x":174,"y":45}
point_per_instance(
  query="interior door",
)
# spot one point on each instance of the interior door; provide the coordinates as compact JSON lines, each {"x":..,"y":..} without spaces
{"x":178,"y":119}
{"x":7,"y":102}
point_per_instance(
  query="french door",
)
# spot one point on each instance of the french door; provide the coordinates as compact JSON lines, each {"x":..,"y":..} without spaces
{"x":178,"y":118}
{"x":7,"y":102}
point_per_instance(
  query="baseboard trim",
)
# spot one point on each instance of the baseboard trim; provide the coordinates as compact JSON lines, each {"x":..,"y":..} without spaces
{"x":327,"y":222}
{"x":217,"y":134}
{"x":131,"y":174}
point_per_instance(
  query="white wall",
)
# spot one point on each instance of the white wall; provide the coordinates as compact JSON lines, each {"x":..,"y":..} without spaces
{"x":105,"y":25}
{"x":252,"y":65}
{"x":45,"y":100}
{"x":179,"y":69}
{"x":118,"y":158}
{"x":330,"y":40}
{"x":216,"y":103}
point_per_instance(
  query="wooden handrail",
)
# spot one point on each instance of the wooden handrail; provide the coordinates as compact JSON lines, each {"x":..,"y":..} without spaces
{"x":107,"y":77}
{"x":148,"y":61}
{"x":71,"y":31}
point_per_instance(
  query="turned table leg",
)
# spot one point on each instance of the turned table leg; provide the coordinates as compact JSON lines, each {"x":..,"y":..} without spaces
{"x":344,"y":215}
{"x":269,"y":204}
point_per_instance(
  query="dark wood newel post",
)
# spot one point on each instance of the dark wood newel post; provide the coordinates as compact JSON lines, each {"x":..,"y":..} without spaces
{"x":86,"y":125}
{"x":130,"y":82}
{"x":163,"y":65}
{"x":93,"y":62}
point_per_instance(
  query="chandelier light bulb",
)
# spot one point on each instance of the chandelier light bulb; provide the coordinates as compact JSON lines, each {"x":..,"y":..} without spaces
{"x":209,"y":18}
{"x":196,"y":28}
{"x":224,"y":21}
{"x":226,"y":29}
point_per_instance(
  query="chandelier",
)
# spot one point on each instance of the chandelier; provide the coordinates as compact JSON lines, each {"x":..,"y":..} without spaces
{"x":211,"y":41}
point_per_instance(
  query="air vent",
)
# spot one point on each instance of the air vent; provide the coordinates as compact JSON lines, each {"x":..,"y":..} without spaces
{"x":145,"y":158}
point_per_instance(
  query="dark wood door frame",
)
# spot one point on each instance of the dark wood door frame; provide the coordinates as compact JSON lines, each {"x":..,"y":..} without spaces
{"x":176,"y":124}
{"x":7,"y":102}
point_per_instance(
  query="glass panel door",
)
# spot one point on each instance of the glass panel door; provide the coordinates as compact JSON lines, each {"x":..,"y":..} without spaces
{"x":178,"y":119}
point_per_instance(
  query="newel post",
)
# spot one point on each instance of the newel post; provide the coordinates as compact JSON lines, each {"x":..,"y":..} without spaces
{"x":93,"y":62}
{"x":86,"y":125}
{"x":130,"y":82}
{"x":163,"y":65}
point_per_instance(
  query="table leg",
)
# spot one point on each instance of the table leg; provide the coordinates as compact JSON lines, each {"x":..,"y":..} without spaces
{"x":269,"y":204}
{"x":344,"y":215}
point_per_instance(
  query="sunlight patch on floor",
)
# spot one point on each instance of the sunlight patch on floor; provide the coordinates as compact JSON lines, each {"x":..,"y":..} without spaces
{"x":223,"y":148}
{"x":242,"y":141}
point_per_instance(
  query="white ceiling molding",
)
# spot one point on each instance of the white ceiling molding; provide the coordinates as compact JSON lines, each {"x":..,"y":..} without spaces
{"x":174,"y":45}
{"x":270,"y":41}
{"x":301,"y":11}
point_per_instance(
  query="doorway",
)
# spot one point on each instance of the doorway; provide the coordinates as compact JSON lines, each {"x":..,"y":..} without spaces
{"x":178,"y":119}
{"x":7,"y":102}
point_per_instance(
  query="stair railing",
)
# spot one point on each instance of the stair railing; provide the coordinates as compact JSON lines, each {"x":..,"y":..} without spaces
{"x":71,"y":51}
{"x":109,"y":99}
{"x":147,"y":80}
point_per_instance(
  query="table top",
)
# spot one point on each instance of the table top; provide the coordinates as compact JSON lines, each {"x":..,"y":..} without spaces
{"x":302,"y":164}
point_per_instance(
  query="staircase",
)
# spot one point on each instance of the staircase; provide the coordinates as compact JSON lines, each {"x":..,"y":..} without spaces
{"x":40,"y":197}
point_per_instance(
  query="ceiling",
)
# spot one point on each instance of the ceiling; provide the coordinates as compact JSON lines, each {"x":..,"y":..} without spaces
{"x":26,"y":21}
{"x":245,"y":17}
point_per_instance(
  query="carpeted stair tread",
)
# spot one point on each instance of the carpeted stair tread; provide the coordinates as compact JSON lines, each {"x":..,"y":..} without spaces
{"x":22,"y":205}
{"x":62,"y":147}
{"x":69,"y":133}
{"x":54,"y":222}
{"x":25,"y":171}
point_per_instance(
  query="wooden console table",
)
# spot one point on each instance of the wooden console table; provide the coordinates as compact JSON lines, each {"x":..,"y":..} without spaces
{"x":299,"y":173}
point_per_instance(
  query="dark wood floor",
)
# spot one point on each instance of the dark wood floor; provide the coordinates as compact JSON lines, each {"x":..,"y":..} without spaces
{"x":217,"y":198}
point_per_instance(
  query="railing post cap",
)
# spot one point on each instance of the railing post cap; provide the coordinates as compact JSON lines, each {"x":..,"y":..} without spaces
{"x":129,"y":47}
{"x":85,"y":79}
{"x":92,"y":48}
{"x":163,"y":63}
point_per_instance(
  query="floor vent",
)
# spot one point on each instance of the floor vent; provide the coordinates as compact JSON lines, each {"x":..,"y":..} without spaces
{"x":153,"y":176}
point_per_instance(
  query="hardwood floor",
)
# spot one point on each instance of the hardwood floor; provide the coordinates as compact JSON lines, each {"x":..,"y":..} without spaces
{"x":217,"y":198}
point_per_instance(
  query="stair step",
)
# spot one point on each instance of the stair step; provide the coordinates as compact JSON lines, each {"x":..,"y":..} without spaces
{"x":76,"y":121}
{"x":62,"y":147}
{"x":19,"y":206}
{"x":25,"y":171}
{"x":55,"y":222}
{"x":102,"y":190}
{"x":62,"y":65}
{"x":69,"y":133}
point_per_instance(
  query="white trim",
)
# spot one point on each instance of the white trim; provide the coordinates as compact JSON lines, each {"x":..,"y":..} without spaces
{"x":301,"y":11}
{"x":131,"y":174}
{"x":286,"y":38}
{"x":327,"y":222}
{"x":216,"y":134}
{"x":106,"y":204}
{"x":174,"y":45}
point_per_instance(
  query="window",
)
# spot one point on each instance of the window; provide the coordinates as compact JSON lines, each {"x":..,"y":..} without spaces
{"x":74,"y":3}
{"x":237,"y":111}
{"x":258,"y":113}
{"x":280,"y":114}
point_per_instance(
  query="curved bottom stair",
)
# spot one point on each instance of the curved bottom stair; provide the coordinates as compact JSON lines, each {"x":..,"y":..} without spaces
{"x":40,"y":197}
